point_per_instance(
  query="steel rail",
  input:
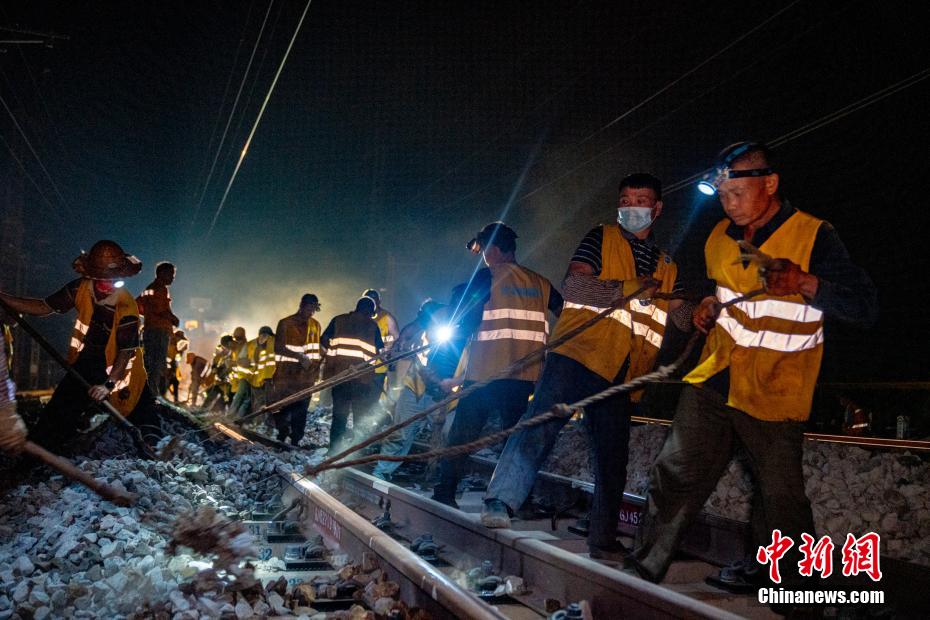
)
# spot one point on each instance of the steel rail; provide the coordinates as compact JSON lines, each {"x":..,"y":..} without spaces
{"x":421,"y":584}
{"x":534,"y":556}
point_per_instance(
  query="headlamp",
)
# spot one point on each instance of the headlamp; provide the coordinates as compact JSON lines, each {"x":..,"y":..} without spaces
{"x":444,"y":333}
{"x":473,"y":245}
{"x":119,"y":284}
{"x":712,"y":181}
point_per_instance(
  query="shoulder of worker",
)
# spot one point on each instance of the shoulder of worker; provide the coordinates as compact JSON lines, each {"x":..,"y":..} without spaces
{"x":62,"y":300}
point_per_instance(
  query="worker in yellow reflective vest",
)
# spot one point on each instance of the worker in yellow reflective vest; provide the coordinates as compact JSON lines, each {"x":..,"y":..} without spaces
{"x":256,"y":365}
{"x":389,"y":334}
{"x":218,"y":394}
{"x":105,"y":347}
{"x":509,"y":304}
{"x":177,"y":346}
{"x":351,"y":340}
{"x":297,"y":352}
{"x":611,"y":260}
{"x":755,"y":380}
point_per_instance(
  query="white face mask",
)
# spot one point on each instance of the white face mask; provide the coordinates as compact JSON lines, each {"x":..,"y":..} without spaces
{"x":634,"y":219}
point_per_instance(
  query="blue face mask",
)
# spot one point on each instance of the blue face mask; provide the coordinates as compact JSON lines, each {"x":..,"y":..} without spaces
{"x":634,"y":219}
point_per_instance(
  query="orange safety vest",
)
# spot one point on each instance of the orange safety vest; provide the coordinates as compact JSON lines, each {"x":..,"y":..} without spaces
{"x":635,"y":331}
{"x":772,"y":345}
{"x":513,"y":324}
{"x":129,"y":388}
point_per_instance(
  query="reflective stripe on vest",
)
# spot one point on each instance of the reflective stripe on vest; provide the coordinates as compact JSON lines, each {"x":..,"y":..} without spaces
{"x":771,"y":346}
{"x":513,"y":324}
{"x":743,"y":336}
{"x":351,"y":347}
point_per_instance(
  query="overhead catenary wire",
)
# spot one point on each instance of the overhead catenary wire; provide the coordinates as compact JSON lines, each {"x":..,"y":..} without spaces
{"x":64,"y":203}
{"x":258,"y":119}
{"x":33,"y":181}
{"x":232,"y":112}
{"x":821,"y":122}
{"x":691,"y":71}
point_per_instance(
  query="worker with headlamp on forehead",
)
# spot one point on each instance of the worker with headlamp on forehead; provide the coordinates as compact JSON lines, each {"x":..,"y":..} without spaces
{"x":509,"y":323}
{"x":104,"y":347}
{"x":755,"y":380}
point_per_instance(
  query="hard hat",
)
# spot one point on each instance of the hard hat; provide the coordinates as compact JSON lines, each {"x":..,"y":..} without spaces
{"x":498,"y":233}
{"x":266,"y":331}
{"x":106,"y":261}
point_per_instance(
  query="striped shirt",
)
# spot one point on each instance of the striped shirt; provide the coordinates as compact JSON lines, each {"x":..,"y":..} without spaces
{"x":646,"y":252}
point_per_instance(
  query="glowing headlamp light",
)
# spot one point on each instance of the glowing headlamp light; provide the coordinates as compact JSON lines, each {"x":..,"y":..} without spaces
{"x":119,"y":284}
{"x":444,"y":333}
{"x":712,"y":181}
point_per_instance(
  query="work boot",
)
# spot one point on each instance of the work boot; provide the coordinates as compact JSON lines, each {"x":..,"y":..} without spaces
{"x":495,"y":514}
{"x":635,"y":564}
{"x":612,"y":553}
{"x":448,"y":500}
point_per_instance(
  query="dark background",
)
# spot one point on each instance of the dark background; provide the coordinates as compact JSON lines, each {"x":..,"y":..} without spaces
{"x":397,"y":129}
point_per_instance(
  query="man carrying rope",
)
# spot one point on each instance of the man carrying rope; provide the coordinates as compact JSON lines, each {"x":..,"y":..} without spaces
{"x":510,"y":322}
{"x":755,"y":381}
{"x":610,"y":261}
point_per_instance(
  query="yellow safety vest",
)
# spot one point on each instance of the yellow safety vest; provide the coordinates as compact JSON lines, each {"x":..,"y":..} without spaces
{"x":513,"y":324}
{"x":383,"y":319}
{"x":635,"y":331}
{"x":129,"y":388}
{"x":261,"y":362}
{"x":772,"y":345}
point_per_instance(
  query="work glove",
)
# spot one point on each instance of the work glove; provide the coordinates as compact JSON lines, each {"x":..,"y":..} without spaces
{"x":705,"y":315}
{"x":12,"y":429}
{"x":783,"y":278}
{"x":99,"y":393}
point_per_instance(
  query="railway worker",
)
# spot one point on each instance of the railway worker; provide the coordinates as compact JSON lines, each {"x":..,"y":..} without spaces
{"x":256,"y":365}
{"x":221,"y":368}
{"x":510,"y":322}
{"x":155,"y":307}
{"x":202,"y":377}
{"x":424,"y":382}
{"x":104,"y":349}
{"x":297,"y":353}
{"x":755,"y":380}
{"x":12,"y":429}
{"x":176,"y":348}
{"x":348,"y":340}
{"x":612,"y":259}
{"x":238,"y":364}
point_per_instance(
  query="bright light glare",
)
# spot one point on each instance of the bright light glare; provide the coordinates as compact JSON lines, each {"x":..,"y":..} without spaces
{"x":707,"y":188}
{"x":444,"y":333}
{"x":119,"y":284}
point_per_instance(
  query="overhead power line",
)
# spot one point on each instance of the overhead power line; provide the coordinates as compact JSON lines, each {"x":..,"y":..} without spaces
{"x":64,"y":203}
{"x":823,"y":121}
{"x":232,"y":111}
{"x":258,"y":119}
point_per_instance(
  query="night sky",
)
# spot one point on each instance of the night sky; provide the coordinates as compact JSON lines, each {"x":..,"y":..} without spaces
{"x":398,"y":129}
